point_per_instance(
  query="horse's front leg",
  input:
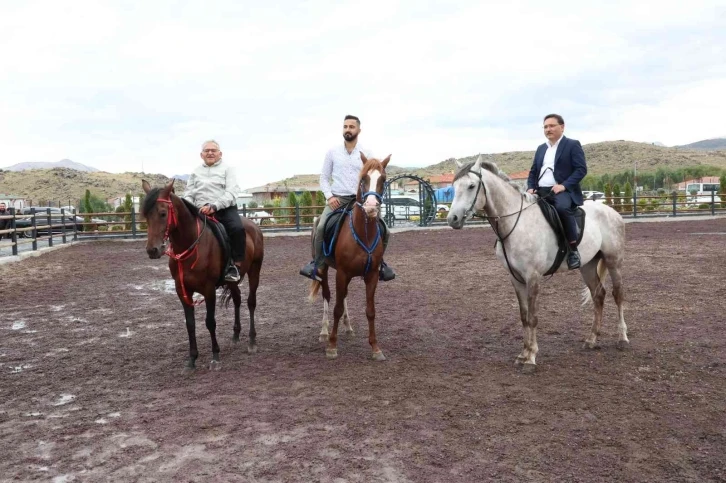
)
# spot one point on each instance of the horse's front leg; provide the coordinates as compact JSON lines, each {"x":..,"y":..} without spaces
{"x":530,"y":331}
{"x":371,"y":281}
{"x":191,"y":330}
{"x":341,"y":291}
{"x":346,"y":319}
{"x":210,"y":299}
{"x":521,"y":291}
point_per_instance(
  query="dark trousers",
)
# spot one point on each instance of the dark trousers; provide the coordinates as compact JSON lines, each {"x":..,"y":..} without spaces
{"x":565,"y":208}
{"x":229,"y":217}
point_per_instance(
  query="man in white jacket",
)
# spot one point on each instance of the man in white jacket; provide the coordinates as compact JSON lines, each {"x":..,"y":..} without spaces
{"x":212,"y":187}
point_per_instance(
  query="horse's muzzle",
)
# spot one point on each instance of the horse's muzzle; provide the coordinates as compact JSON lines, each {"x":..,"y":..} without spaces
{"x":455,"y":221}
{"x":154,"y":252}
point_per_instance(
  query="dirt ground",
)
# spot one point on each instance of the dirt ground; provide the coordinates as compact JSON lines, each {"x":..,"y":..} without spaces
{"x":92,"y":345}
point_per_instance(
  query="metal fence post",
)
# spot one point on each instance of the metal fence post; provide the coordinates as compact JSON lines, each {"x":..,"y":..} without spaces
{"x":133,"y":222}
{"x":34,"y":231}
{"x":14,"y":235}
{"x":675,"y":199}
{"x":297,"y":216}
{"x":75,"y":226}
{"x":50,"y":228}
{"x":635,"y":203}
{"x":244,"y":210}
{"x":63,"y":225}
{"x":713,"y":203}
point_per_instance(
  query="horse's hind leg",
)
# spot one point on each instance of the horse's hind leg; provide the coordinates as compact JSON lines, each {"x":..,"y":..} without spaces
{"x":591,"y":274}
{"x":253,"y":277}
{"x":346,"y":319}
{"x":237,"y":300}
{"x":323,"y":337}
{"x":619,"y":296}
{"x":210,"y":300}
{"x":341,"y":291}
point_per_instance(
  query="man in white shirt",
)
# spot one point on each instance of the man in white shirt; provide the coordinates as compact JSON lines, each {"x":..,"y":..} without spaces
{"x":557,"y":169}
{"x":342,"y":165}
{"x":212,"y":187}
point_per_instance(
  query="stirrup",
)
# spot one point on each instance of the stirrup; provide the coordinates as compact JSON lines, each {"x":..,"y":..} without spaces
{"x":232,"y":274}
{"x":311,"y":271}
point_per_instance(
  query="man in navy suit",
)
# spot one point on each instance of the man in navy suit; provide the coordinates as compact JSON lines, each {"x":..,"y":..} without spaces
{"x":558,"y":167}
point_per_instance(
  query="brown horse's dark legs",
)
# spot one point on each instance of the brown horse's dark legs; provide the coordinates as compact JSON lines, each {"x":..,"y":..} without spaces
{"x":210,"y":300}
{"x":193,"y":353}
{"x":237,"y":300}
{"x":371,"y":284}
{"x":341,"y":291}
{"x":253,"y":277}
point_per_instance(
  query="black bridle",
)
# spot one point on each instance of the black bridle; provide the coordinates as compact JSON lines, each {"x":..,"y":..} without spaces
{"x":494,"y":220}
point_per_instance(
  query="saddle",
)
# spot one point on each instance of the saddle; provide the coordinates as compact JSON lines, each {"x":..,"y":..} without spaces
{"x":335,"y":222}
{"x":550,"y":214}
{"x":222,"y":238}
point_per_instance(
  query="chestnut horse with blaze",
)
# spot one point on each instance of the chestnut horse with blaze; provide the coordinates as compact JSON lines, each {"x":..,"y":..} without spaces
{"x":358,"y":253}
{"x":196,"y":263}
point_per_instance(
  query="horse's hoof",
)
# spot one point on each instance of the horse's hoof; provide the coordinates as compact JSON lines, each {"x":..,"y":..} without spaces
{"x":623,"y":345}
{"x":331,"y":353}
{"x":591,"y":346}
{"x":235,"y":338}
{"x":519,"y":361}
{"x":215,"y":365}
{"x":252,"y":349}
{"x":529,"y":368}
{"x":378,"y":356}
{"x":323,"y":338}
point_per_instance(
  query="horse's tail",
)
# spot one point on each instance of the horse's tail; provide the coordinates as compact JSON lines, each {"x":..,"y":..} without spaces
{"x":314,"y":289}
{"x":601,"y":274}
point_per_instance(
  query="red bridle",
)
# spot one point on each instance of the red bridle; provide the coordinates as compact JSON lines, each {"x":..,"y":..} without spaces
{"x":172,"y":222}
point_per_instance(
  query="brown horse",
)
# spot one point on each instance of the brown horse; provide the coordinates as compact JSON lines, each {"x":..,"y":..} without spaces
{"x":196,"y":264}
{"x":358,"y":253}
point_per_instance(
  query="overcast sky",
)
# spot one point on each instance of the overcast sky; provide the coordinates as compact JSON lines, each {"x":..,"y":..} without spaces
{"x":118,"y":84}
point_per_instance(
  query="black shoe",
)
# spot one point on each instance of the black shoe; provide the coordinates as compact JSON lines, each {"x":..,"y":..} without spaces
{"x":386,"y":273}
{"x":311,"y":271}
{"x":232,"y":274}
{"x":573,"y":260}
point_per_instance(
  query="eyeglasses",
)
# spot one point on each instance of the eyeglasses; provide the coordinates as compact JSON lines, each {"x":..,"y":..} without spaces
{"x":550,"y":125}
{"x":211,"y":151}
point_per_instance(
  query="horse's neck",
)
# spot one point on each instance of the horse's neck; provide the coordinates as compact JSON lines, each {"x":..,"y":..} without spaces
{"x":503,"y":201}
{"x":185,"y":233}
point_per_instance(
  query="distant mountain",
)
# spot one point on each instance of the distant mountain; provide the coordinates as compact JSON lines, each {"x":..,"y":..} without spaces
{"x":183,"y":177}
{"x":716,"y":144}
{"x":63,"y":163}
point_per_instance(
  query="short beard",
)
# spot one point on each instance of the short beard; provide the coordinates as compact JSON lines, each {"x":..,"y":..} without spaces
{"x":350,"y":137}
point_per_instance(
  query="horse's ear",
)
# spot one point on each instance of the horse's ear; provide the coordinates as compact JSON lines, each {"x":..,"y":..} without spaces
{"x":385,"y":161}
{"x":169,"y":188}
{"x":146,"y":186}
{"x":477,"y":165}
{"x":459,"y":164}
{"x":363,"y":157}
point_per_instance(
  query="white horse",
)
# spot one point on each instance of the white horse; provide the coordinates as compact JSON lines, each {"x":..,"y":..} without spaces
{"x":527,"y":246}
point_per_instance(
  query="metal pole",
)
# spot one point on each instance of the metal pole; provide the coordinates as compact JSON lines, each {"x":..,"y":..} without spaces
{"x":63,"y":224}
{"x":34,"y":232}
{"x":14,"y":234}
{"x":635,"y":202}
{"x":133,"y":222}
{"x":50,"y":228}
{"x":713,"y":203}
{"x":297,"y":215}
{"x":675,"y":198}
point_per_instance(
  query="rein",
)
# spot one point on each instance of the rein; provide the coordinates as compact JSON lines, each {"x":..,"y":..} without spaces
{"x":368,"y":249}
{"x":171,"y":223}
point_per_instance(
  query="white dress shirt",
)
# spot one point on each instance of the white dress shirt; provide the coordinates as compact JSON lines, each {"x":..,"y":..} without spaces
{"x":343,"y":169}
{"x":547,"y":173}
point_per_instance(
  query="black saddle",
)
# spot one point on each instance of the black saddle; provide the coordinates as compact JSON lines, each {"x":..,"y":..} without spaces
{"x":220,"y":233}
{"x":553,"y":218}
{"x":335,"y":222}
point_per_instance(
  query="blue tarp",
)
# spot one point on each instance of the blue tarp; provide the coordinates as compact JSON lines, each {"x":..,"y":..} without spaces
{"x":444,"y":195}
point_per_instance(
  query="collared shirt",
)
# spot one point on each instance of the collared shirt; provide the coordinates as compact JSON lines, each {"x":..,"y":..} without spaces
{"x":547,"y":173}
{"x":341,"y":170}
{"x":214,"y":185}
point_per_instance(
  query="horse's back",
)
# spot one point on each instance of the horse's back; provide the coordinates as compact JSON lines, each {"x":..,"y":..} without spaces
{"x":609,"y":225}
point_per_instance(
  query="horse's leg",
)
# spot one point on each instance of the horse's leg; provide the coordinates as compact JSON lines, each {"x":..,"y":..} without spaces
{"x":210,"y":299}
{"x":253,"y":277}
{"x":191,"y":330}
{"x":591,"y":277}
{"x":341,"y":291}
{"x":346,"y":319}
{"x":521,"y":291}
{"x":530,"y":331}
{"x":237,"y":301}
{"x":619,"y":296}
{"x":326,"y":305}
{"x":371,"y":283}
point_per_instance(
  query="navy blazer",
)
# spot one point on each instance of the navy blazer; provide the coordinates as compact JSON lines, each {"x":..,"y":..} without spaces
{"x":570,"y":167}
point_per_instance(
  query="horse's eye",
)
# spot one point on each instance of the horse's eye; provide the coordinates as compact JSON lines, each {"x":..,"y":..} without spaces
{"x":471,"y":186}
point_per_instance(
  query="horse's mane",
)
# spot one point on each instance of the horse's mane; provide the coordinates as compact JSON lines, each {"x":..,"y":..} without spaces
{"x":153,"y":196}
{"x":371,"y":164}
{"x":492,"y":167}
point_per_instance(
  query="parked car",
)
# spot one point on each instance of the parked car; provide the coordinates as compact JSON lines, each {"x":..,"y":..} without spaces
{"x":593,"y":196}
{"x":403,"y":207}
{"x":56,"y":219}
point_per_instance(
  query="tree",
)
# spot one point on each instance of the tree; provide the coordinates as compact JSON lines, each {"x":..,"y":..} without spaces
{"x":320,"y":202}
{"x":291,"y":199}
{"x":608,"y":194}
{"x":628,"y":197}
{"x":617,"y":201}
{"x":306,"y":201}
